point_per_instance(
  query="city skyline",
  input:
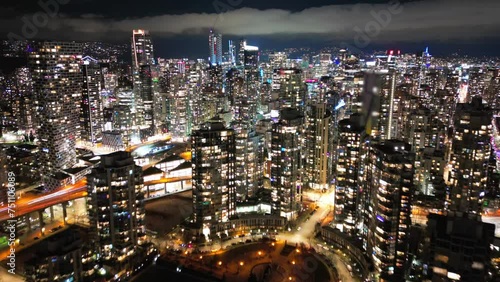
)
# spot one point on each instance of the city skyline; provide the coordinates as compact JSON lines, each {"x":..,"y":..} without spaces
{"x":234,"y":159}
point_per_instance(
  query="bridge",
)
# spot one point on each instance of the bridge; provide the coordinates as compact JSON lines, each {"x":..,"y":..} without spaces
{"x":31,"y":202}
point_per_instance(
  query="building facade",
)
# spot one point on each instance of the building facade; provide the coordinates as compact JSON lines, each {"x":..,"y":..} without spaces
{"x":213,"y":159}
{"x":286,"y":164}
{"x":57,"y":83}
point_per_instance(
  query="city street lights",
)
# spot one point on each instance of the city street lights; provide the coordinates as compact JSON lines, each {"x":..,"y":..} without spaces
{"x":239,"y":265}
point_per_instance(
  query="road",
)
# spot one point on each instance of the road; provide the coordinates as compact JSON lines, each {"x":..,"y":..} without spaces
{"x":306,"y":233}
{"x":32,"y":202}
{"x":156,"y":140}
{"x":167,"y":180}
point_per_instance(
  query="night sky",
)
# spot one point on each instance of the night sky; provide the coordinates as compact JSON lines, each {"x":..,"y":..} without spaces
{"x":180,"y":28}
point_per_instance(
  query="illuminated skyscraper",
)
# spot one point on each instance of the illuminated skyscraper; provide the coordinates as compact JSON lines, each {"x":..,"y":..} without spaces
{"x":57,"y":79}
{"x":143,"y":68}
{"x":251,"y":57}
{"x":470,"y":155}
{"x":423,"y":129}
{"x":347,"y":193}
{"x":249,"y":154}
{"x":215,"y":48}
{"x":322,"y":63}
{"x":286,"y":164}
{"x":389,"y":177}
{"x":232,"y":53}
{"x":316,"y":145}
{"x":277,"y":60}
{"x":91,"y":114}
{"x":492,"y":93}
{"x":178,"y":113}
{"x":241,"y":52}
{"x":147,"y":94}
{"x":213,"y":158}
{"x":116,"y":212}
{"x":142,"y":49}
{"x":291,"y":88}
{"x":251,"y":63}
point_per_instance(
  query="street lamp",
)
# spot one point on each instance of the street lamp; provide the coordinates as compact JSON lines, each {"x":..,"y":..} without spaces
{"x":241,"y":263}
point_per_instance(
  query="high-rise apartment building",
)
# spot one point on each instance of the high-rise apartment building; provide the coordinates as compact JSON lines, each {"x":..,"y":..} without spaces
{"x":424,"y":129}
{"x":347,"y":190}
{"x":286,"y":163}
{"x":91,"y":110}
{"x":316,"y":138}
{"x":470,"y":155}
{"x":57,"y":83}
{"x":249,"y":158}
{"x":177,"y":109}
{"x":213,"y":159}
{"x":387,"y":207}
{"x":116,"y":213}
{"x":291,"y":88}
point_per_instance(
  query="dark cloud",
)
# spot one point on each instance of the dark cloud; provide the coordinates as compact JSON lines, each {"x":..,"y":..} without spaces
{"x":444,"y":20}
